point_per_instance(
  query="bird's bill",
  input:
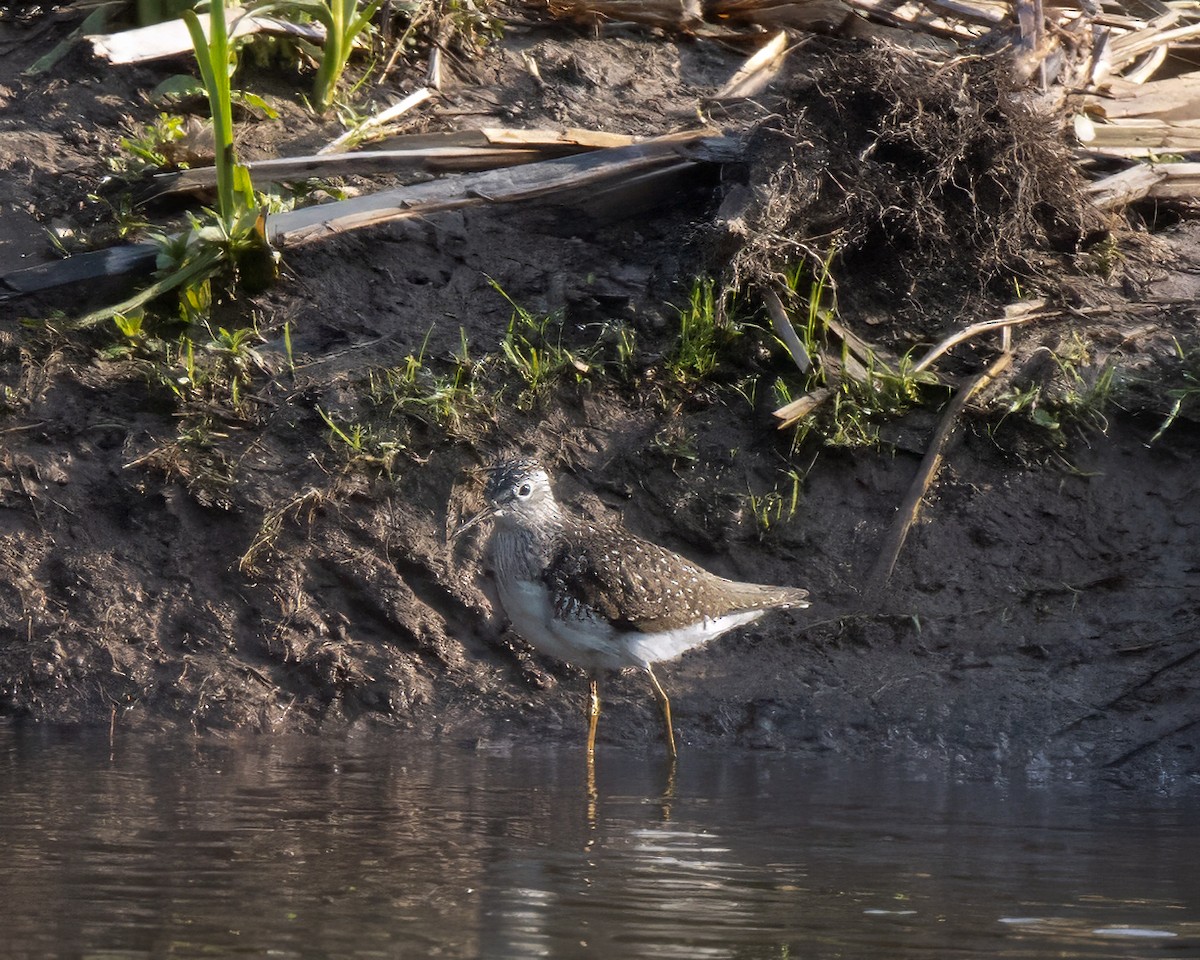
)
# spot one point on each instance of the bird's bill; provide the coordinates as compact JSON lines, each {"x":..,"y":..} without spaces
{"x":487,"y":513}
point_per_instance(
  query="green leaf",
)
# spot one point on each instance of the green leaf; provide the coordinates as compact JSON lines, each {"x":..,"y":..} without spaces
{"x":179,"y":87}
{"x":255,"y":102}
{"x":1044,"y":419}
{"x":130,"y":324}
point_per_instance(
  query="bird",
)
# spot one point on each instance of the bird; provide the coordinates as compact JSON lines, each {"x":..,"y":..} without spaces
{"x":599,"y":597}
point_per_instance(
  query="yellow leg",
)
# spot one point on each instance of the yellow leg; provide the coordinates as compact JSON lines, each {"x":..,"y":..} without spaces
{"x":665,"y":703}
{"x":593,"y":798}
{"x":668,"y":794}
{"x":593,"y":715}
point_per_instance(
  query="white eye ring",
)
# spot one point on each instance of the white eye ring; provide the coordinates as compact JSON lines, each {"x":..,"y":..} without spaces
{"x":525,"y":490}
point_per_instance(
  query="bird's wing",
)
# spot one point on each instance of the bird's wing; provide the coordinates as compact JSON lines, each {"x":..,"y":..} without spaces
{"x":638,"y":585}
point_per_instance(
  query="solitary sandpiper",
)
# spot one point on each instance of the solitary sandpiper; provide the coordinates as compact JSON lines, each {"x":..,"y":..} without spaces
{"x":598,"y":597}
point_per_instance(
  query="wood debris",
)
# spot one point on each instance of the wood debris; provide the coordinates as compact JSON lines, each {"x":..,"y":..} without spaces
{"x":1166,"y":181}
{"x":585,"y":177}
{"x":171,"y":38}
{"x":595,"y":176}
{"x":855,"y":358}
{"x":907,"y":513}
{"x":680,"y":16}
{"x":757,"y":72}
{"x":1111,"y":63}
{"x":452,"y":152}
{"x":376,"y":127}
{"x":1107,"y":70}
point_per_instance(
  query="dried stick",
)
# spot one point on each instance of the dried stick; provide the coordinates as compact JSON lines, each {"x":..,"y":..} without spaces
{"x":907,"y":514}
{"x":1018,"y":314}
{"x":786,"y":332}
{"x":1159,"y":738}
{"x":373,"y":124}
{"x":757,"y":72}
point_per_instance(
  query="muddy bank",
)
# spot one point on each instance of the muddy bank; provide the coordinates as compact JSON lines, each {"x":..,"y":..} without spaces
{"x":238,"y":564}
{"x":1041,"y":620}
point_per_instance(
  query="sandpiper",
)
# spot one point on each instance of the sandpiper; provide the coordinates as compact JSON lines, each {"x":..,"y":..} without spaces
{"x":597,"y":596}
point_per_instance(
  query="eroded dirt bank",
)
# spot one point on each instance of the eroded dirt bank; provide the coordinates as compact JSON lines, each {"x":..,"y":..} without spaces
{"x":236,"y":565}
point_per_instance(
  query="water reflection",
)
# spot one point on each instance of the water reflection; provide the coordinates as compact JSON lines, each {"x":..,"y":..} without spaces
{"x":382,"y":847}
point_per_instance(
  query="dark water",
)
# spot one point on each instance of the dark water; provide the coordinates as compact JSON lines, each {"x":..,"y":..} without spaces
{"x":382,"y":847}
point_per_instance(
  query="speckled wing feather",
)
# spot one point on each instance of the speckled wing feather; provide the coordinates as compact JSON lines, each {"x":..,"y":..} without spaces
{"x":637,"y":585}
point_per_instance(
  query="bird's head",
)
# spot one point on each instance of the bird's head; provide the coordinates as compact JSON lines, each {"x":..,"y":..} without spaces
{"x":517,"y":493}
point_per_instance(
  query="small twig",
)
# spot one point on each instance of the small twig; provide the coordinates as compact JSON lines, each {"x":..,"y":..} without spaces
{"x":23,"y":427}
{"x":1151,"y":677}
{"x":786,"y":332}
{"x":757,"y":72}
{"x":907,"y":514}
{"x":433,"y":74}
{"x":414,"y":99}
{"x":1130,"y":754}
{"x":259,"y":676}
{"x":1034,"y":310}
{"x":397,"y":50}
{"x":801,"y":407}
{"x":862,"y":352}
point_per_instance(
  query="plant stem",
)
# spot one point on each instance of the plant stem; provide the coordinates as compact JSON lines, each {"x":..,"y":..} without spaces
{"x":343,"y":22}
{"x":212,"y":56}
{"x":333,"y":61}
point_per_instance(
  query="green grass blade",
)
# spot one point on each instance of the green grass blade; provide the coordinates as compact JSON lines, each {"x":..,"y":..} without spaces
{"x":197,"y":268}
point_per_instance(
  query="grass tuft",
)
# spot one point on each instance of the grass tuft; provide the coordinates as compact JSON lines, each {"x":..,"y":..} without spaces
{"x":778,"y":506}
{"x":533,"y":348}
{"x":448,"y":399}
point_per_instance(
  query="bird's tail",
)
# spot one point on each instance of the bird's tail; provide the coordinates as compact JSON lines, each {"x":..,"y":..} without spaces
{"x":760,"y":596}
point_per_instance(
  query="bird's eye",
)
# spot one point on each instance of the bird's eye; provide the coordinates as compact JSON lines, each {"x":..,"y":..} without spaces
{"x":524,"y":490}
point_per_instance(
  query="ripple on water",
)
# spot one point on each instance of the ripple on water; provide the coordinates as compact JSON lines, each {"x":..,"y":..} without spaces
{"x":379,"y":846}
